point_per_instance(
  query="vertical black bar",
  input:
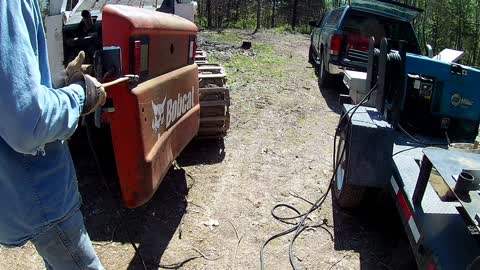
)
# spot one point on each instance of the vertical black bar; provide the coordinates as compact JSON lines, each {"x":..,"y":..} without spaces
{"x":398,"y":87}
{"x":422,"y":181}
{"x":371,"y":64}
{"x":382,"y":72}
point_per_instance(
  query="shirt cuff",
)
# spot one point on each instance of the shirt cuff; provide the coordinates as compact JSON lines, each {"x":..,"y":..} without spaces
{"x":79,"y":89}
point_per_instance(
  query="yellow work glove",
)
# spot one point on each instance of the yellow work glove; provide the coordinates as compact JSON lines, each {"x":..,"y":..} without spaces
{"x":77,"y":65}
{"x":74,"y":69}
{"x":95,"y":94}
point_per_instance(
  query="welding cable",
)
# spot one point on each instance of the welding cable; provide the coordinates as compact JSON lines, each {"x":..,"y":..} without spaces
{"x":322,"y":199}
{"x":417,"y":140}
{"x":353,"y":109}
{"x":299,"y":215}
{"x":405,"y":150}
{"x":299,"y":227}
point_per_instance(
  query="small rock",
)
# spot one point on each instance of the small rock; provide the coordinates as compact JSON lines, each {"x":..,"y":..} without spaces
{"x":211,"y":223}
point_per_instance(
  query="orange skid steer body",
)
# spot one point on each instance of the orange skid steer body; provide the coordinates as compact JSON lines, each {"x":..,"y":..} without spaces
{"x":151,"y":122}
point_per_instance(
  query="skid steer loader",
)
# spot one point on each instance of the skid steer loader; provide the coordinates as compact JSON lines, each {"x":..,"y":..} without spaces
{"x":150,"y":121}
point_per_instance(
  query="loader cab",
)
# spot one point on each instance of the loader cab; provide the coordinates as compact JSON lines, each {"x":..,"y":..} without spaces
{"x":65,"y":37}
{"x":79,"y":35}
{"x":76,"y":38}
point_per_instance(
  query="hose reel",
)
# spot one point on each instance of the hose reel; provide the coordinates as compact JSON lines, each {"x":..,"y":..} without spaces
{"x":386,"y":70}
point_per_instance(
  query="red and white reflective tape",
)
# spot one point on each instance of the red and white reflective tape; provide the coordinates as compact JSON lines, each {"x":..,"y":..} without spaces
{"x":406,"y":210}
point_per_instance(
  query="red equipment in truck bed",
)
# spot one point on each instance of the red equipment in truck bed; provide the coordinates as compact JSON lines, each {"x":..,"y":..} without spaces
{"x":153,"y":121}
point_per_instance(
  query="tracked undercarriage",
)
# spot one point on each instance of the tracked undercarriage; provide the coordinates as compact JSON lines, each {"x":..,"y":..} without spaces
{"x":214,"y":98}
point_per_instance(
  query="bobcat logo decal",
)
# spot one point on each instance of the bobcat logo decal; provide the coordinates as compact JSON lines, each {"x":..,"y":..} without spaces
{"x":158,"y":114}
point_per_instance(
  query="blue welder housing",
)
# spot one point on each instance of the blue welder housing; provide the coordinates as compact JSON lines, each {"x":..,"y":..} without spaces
{"x":456,"y":91}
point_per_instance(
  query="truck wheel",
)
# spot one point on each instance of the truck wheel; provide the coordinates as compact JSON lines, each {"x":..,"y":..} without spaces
{"x":346,"y":195}
{"x":324,"y":77}
{"x":311,"y":56}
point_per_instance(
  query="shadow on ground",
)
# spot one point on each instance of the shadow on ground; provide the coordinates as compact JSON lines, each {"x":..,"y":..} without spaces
{"x":151,"y":226}
{"x":375,"y":232}
{"x":202,"y":152}
{"x":332,"y":93}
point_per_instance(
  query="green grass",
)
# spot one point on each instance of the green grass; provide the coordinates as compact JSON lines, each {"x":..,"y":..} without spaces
{"x":226,"y":38}
{"x":283,"y":28}
{"x":244,"y":68}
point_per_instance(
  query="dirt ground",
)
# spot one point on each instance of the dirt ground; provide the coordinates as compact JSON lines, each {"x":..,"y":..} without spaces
{"x":218,"y":199}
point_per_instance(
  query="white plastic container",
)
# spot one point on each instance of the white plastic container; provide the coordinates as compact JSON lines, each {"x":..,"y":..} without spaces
{"x":356,"y":83}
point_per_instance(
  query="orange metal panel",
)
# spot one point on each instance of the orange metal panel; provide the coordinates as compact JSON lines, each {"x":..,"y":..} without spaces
{"x":154,"y":121}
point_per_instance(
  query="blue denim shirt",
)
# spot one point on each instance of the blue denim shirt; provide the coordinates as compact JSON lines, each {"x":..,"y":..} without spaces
{"x":37,"y":177}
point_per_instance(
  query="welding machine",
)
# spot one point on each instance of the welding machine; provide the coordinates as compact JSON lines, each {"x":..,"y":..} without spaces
{"x":425,"y":95}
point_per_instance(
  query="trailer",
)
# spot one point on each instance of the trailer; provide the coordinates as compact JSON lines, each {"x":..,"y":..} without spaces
{"x":435,"y":183}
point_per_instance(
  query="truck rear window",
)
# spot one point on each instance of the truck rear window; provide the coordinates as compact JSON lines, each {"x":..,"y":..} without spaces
{"x":359,"y":27}
{"x":334,"y":17}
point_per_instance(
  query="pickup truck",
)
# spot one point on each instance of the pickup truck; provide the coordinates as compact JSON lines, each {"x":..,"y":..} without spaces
{"x":339,"y":41}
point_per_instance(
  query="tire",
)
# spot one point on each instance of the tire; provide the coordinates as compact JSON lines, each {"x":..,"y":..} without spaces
{"x":324,"y":78}
{"x":345,"y":194}
{"x":311,"y":56}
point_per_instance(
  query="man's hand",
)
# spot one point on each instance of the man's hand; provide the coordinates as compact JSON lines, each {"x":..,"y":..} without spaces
{"x":95,"y":94}
{"x":76,"y":66}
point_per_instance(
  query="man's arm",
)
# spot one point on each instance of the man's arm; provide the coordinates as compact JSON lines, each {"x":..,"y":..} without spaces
{"x":31,"y":114}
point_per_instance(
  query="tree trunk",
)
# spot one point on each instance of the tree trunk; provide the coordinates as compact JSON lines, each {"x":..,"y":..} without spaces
{"x":274,"y":3}
{"x":458,"y":46}
{"x":294,"y":14}
{"x":424,"y":24}
{"x":259,"y":16}
{"x":209,"y":13}
{"x":477,"y":34}
{"x":237,"y":10}
{"x":435,"y":30}
{"x":229,"y":11}
{"x":218,"y":14}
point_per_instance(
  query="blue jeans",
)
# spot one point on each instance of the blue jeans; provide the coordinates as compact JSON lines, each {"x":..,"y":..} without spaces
{"x":67,"y":245}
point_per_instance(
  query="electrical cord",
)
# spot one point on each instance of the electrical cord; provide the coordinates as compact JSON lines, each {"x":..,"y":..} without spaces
{"x":299,"y":227}
{"x":417,"y":140}
{"x":404,"y":150}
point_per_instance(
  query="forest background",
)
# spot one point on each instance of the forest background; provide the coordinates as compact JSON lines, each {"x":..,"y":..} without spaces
{"x":443,"y":24}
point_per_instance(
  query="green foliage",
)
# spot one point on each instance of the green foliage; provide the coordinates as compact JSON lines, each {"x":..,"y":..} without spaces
{"x":450,"y":24}
{"x":444,"y":24}
{"x":283,"y":28}
{"x":44,"y":4}
{"x":243,"y":23}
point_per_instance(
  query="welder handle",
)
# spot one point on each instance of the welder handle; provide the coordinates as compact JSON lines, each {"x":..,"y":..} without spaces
{"x":128,"y":78}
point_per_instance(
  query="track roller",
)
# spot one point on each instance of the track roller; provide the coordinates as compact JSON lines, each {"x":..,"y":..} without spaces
{"x":214,"y":99}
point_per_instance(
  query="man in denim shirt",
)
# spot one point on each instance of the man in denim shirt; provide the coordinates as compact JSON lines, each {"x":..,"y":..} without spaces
{"x":39,"y":199}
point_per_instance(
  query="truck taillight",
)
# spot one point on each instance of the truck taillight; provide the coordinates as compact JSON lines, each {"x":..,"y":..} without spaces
{"x":357,"y":42}
{"x":335,"y":44}
{"x":137,"y":57}
{"x":140,"y":56}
